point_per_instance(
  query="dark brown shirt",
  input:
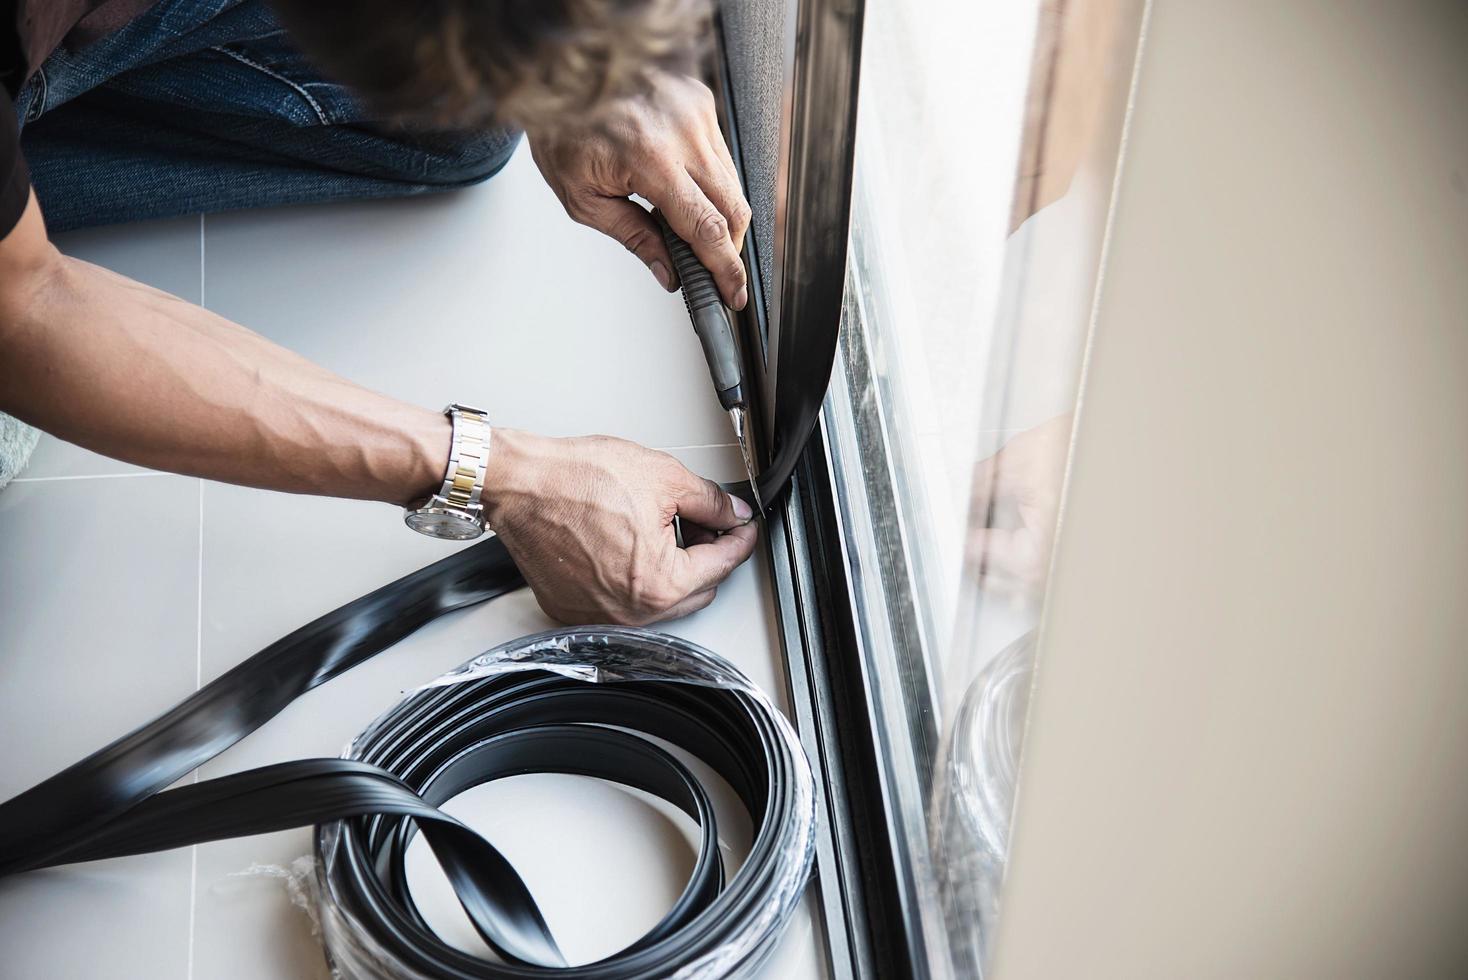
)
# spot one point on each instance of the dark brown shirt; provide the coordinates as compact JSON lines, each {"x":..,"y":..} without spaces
{"x":29,"y":31}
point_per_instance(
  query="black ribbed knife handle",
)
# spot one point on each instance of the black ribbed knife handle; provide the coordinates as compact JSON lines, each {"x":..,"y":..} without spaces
{"x":710,"y":319}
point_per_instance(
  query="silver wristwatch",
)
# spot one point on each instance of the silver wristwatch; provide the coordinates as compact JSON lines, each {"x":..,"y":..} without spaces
{"x":456,"y":512}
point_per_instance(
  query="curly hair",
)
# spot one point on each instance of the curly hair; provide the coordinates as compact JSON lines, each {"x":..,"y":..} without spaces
{"x":466,"y":63}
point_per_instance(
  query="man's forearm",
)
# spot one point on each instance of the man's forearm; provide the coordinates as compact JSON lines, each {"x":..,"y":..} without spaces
{"x":142,"y":376}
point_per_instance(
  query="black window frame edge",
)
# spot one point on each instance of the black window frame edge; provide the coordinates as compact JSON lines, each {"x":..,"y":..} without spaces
{"x":865,"y":883}
{"x":891,"y":691}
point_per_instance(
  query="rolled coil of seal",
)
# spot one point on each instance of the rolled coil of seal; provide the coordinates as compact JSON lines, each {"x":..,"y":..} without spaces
{"x":579,"y":702}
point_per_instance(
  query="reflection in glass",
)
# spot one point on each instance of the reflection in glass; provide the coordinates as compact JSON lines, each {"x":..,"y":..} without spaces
{"x":987,"y":145}
{"x":973,"y":796}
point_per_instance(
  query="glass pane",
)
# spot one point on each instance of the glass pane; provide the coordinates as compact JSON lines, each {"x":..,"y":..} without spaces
{"x":988,"y":136}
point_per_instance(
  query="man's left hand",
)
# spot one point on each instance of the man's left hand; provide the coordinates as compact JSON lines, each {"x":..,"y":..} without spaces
{"x":666,"y":147}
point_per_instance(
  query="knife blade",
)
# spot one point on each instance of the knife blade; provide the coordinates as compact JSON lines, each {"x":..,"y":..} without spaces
{"x":715,"y":331}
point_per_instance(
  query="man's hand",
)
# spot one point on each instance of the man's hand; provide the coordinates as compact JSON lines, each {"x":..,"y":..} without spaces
{"x":590,"y":523}
{"x":1016,"y":495}
{"x":666,"y":147}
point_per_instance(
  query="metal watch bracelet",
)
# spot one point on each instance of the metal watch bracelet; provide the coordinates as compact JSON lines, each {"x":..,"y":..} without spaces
{"x":468,"y":458}
{"x":456,"y":511}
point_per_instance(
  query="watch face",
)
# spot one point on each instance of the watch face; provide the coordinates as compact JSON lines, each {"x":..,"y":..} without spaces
{"x":441,"y":524}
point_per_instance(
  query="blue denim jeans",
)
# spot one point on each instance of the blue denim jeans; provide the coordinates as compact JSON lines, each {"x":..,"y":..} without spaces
{"x":206,"y":105}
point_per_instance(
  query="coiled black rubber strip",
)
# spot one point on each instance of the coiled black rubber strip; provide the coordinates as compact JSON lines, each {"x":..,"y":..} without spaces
{"x":431,"y":747}
{"x":115,"y":801}
{"x":442,"y":740}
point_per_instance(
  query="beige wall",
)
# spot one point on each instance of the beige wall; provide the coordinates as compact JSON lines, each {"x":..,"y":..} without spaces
{"x":1247,"y":754}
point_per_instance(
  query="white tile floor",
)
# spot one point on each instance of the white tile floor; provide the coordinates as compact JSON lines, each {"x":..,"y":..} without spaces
{"x":151,"y":584}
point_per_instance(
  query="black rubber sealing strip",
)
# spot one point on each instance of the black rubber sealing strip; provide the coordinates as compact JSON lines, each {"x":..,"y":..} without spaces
{"x":432,"y":746}
{"x":116,"y":802}
{"x":38,"y":827}
{"x":442,"y":740}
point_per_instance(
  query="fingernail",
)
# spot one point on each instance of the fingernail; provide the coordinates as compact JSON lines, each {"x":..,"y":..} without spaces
{"x":660,"y":272}
{"x":741,"y":297}
{"x":741,"y":509}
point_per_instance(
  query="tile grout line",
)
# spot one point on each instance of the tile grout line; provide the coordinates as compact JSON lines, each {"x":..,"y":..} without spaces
{"x":198,"y":682}
{"x":155,"y":474}
{"x":90,"y":476}
{"x":711,"y":445}
{"x":193,"y":890}
{"x":199,"y":603}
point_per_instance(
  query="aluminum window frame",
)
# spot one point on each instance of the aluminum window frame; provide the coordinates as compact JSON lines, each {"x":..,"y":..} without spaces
{"x":857,"y":640}
{"x":844,"y":546}
{"x":864,"y":874}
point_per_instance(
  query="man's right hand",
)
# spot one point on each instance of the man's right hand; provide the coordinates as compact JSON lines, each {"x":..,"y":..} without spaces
{"x":1016,"y":500}
{"x":666,"y":147}
{"x":590,"y":523}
